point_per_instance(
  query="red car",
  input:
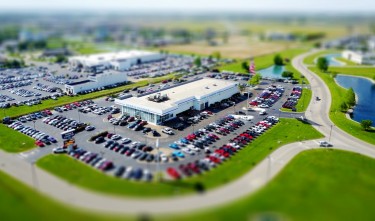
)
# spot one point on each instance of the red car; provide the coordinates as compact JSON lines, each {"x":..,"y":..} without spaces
{"x":109,"y":135}
{"x":193,"y":167}
{"x":39,"y":143}
{"x":173,"y":173}
{"x":48,"y":112}
{"x":214,"y":136}
{"x":214,"y":159}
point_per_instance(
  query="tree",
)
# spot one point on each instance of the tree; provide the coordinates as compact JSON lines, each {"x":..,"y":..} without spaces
{"x":278,"y":60}
{"x":198,"y":61}
{"x":350,"y":97}
{"x":245,"y":66}
{"x":343,"y":106}
{"x":255,"y":80}
{"x":323,"y":64}
{"x":366,"y":124}
{"x":241,"y":87}
{"x":216,"y":54}
{"x":61,"y":58}
{"x":287,"y":74}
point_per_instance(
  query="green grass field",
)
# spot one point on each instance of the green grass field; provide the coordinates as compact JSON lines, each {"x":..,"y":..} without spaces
{"x":368,"y":72}
{"x":303,"y":102}
{"x":263,"y":61}
{"x":339,"y":118}
{"x":22,"y":110}
{"x":311,"y":59}
{"x":346,"y":61}
{"x":13,"y":141}
{"x":287,"y":131}
{"x":324,"y":185}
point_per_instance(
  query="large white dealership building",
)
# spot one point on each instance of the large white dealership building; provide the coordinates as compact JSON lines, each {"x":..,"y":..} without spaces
{"x":196,"y":95}
{"x":367,"y":58}
{"x":95,"y":81}
{"x":119,"y":61}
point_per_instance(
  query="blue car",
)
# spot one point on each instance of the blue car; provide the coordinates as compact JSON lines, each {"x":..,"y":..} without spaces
{"x":184,"y":140}
{"x":174,"y":146}
{"x":132,"y":125}
{"x":178,"y":154}
{"x":53,"y":140}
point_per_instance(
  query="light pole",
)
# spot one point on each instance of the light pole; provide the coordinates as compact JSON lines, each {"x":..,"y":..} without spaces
{"x":114,"y":129}
{"x":34,"y":124}
{"x":33,"y":174}
{"x":79,"y":117}
{"x":330,"y":133}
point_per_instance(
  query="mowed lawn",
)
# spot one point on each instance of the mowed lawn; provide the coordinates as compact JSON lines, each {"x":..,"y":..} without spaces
{"x":265,"y":61}
{"x":368,"y":72}
{"x":76,"y":172}
{"x":324,"y":185}
{"x":13,"y":141}
{"x":311,"y":58}
{"x":303,"y":102}
{"x":338,"y":117}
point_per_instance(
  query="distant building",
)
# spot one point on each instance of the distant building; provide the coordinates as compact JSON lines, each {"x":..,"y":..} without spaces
{"x":26,"y":35}
{"x":95,"y":82}
{"x":371,"y":43}
{"x":279,"y":36}
{"x":117,"y":61}
{"x":367,"y":58}
{"x":56,"y":52}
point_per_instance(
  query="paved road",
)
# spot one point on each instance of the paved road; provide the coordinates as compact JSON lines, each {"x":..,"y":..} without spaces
{"x":247,"y":184}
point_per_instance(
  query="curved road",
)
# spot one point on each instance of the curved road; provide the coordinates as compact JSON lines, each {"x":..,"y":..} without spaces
{"x":317,"y":113}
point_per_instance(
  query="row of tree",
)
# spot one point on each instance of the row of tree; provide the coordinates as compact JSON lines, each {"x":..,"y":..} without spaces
{"x":13,"y":64}
{"x":349,"y":100}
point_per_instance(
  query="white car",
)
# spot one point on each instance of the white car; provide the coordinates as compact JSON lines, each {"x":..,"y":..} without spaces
{"x":58,"y":150}
{"x":324,"y":144}
{"x":167,"y":130}
{"x":116,"y":137}
{"x":262,"y":113}
{"x":125,"y":140}
{"x":163,"y":157}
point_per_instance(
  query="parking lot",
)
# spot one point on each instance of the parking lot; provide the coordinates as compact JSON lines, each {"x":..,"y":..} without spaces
{"x":101,"y":123}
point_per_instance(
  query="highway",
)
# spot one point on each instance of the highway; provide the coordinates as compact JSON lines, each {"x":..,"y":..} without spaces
{"x":317,"y":114}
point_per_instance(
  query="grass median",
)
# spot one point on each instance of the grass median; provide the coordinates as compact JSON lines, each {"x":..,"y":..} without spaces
{"x":287,"y":131}
{"x":303,"y":102}
{"x":310,"y":60}
{"x":325,"y":185}
{"x":315,"y":185}
{"x":339,"y":118}
{"x":13,"y":141}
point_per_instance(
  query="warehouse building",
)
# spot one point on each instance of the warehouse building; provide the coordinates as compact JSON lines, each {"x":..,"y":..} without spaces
{"x":119,"y":61}
{"x":95,"y":82}
{"x":367,"y":58}
{"x":162,"y":106}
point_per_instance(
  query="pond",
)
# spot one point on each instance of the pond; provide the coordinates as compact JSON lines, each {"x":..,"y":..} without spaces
{"x":365,"y":91}
{"x":274,"y":71}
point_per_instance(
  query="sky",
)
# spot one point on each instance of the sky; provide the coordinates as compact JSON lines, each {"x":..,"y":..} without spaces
{"x":189,"y":5}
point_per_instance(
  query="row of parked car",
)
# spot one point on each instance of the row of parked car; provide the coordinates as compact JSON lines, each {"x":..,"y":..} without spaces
{"x":293,"y":98}
{"x":200,"y":140}
{"x":34,"y":116}
{"x":4,"y":98}
{"x":40,"y":138}
{"x":44,"y":87}
{"x":95,"y":160}
{"x":63,"y":122}
{"x":25,"y":93}
{"x":73,"y":105}
{"x":268,"y":96}
{"x":224,"y":152}
{"x":15,"y":84}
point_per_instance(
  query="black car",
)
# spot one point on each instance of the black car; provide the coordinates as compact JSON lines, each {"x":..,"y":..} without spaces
{"x":146,"y":130}
{"x":155,"y":133}
{"x":120,"y":170}
{"x":99,"y":140}
{"x":178,"y":126}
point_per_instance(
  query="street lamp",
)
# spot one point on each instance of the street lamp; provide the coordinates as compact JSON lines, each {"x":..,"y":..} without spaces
{"x":34,"y":124}
{"x":330,"y":133}
{"x":114,"y":129}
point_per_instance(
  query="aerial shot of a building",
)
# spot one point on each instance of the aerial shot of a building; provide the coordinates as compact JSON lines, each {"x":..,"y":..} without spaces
{"x":164,"y":105}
